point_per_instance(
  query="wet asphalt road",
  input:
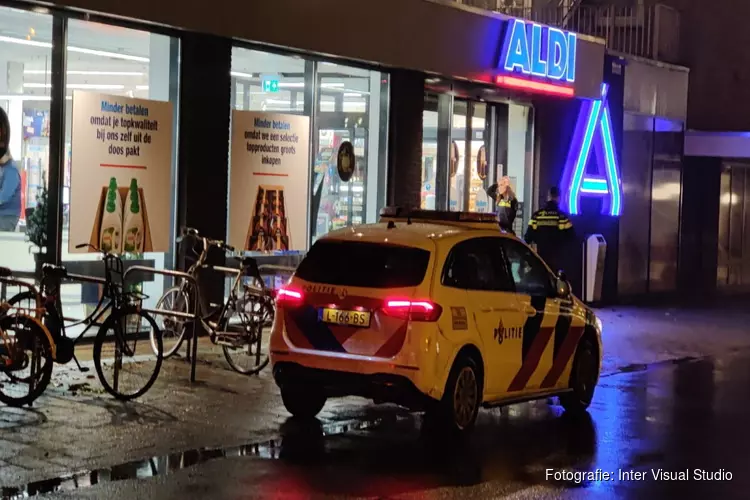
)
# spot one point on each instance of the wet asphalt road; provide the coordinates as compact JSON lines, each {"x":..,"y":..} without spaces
{"x":675,"y":418}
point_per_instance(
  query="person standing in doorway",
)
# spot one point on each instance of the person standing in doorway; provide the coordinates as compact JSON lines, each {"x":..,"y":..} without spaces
{"x":507,"y":204}
{"x":10,"y":180}
{"x":551,"y":230}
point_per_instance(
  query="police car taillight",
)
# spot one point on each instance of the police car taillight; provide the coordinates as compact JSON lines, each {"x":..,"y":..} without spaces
{"x":289,"y":296}
{"x":415,"y":310}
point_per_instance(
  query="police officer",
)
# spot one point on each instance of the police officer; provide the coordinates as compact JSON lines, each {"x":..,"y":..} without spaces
{"x":551,"y":230}
{"x":507,"y":204}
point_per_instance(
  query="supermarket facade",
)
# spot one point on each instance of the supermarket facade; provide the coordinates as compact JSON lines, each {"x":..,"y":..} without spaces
{"x":210,"y":120}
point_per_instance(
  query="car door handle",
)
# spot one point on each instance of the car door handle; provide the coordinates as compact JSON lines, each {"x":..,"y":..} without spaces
{"x":485,"y":309}
{"x":530,"y":311}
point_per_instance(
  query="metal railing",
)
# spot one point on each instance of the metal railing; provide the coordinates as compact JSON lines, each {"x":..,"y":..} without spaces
{"x":651,"y":31}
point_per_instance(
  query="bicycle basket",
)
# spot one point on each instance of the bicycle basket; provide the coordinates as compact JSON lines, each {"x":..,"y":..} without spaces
{"x":114,"y":274}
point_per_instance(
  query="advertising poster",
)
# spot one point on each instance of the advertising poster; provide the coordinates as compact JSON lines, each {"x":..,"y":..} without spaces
{"x":269,"y":181}
{"x":121,"y":160}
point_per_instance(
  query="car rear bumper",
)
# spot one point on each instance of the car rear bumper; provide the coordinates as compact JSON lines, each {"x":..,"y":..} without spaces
{"x":380,"y":387}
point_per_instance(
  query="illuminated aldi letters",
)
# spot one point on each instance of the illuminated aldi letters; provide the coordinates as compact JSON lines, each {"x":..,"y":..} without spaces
{"x":540,"y":51}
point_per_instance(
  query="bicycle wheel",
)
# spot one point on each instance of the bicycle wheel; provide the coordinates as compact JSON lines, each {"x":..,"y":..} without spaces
{"x":25,"y":360}
{"x":125,"y":362}
{"x":25,"y":301}
{"x":172,"y":329}
{"x":247,"y":354}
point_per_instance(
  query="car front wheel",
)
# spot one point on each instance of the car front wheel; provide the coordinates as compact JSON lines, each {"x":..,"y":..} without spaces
{"x":583,"y":378}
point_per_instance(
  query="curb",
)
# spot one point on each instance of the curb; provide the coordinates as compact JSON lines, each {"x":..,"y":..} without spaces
{"x":642,"y":367}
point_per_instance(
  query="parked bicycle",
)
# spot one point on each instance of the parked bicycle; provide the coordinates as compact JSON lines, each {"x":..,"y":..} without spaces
{"x":26,"y":351}
{"x":125,"y":371}
{"x":236,"y":324}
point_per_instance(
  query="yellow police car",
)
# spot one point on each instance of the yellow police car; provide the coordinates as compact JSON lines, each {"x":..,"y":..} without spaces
{"x":435,"y":311}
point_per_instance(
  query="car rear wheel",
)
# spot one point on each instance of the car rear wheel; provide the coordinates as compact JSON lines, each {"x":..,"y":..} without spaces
{"x":457,"y":411}
{"x":583,"y":378}
{"x":303,"y":401}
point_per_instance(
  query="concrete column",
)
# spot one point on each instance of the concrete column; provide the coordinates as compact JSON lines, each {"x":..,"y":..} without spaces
{"x":3,"y":77}
{"x":15,"y":117}
{"x":405,"y":138}
{"x":373,"y":148}
{"x":159,"y":67}
{"x":11,"y":83}
{"x":205,"y":102}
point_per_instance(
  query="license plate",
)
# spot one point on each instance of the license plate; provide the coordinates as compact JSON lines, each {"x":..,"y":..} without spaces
{"x":359,"y":319}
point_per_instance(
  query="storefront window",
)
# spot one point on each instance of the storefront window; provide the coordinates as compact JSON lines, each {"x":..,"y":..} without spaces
{"x":105,"y":60}
{"x":267,"y":82}
{"x":457,"y":157}
{"x":520,"y":160}
{"x":349,"y":109}
{"x":25,"y":62}
{"x":429,"y":152}
{"x":479,"y":166}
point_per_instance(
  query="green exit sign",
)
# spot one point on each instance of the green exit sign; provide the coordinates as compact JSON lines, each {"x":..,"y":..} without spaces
{"x":270,"y":85}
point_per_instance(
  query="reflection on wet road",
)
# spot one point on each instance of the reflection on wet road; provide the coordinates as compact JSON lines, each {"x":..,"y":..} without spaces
{"x":686,"y":418}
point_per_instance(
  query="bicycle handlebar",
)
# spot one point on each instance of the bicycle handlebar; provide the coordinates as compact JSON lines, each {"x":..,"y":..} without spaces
{"x":192,"y":234}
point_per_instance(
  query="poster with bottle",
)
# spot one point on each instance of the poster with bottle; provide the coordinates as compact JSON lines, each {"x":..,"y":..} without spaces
{"x":269,"y":183}
{"x":120,"y":167}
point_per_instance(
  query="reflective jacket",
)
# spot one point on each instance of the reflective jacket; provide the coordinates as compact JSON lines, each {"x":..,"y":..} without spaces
{"x":507,"y":208}
{"x":552,"y":231}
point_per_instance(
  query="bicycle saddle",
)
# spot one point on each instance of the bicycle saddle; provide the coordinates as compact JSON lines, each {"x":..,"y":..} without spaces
{"x":5,"y":272}
{"x":54,"y":271}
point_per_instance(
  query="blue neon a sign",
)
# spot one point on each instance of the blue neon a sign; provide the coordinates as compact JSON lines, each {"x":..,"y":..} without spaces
{"x":541,"y":51}
{"x":594,"y":128}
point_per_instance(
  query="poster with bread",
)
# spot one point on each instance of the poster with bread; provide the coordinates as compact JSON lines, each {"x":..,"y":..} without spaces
{"x":269,"y":182}
{"x":121,"y":164}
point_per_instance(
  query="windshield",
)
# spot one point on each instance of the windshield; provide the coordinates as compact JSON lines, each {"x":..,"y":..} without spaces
{"x":368,"y":265}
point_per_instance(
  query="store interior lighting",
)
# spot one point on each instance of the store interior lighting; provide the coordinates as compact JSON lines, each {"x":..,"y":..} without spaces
{"x":85,"y":73}
{"x":80,"y":50}
{"x":90,"y":77}
{"x":79,"y":86}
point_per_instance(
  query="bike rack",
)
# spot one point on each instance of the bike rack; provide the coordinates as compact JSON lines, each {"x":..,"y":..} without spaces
{"x":278,"y":269}
{"x":193,"y":340}
{"x":192,"y":347}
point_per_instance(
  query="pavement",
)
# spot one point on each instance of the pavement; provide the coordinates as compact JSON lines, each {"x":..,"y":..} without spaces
{"x":644,"y":431}
{"x":76,"y":431}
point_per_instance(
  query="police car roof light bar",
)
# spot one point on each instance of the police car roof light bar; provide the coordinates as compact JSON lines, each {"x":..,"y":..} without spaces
{"x":436,"y":215}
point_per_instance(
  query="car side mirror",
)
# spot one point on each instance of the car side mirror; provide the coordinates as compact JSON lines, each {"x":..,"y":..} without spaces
{"x":562,"y":286}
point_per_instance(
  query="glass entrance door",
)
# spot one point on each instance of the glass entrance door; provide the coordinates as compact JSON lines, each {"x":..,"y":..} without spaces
{"x":467,"y":146}
{"x":469,"y":172}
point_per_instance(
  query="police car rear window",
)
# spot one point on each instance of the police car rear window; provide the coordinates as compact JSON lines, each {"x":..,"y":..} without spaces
{"x":369,"y":265}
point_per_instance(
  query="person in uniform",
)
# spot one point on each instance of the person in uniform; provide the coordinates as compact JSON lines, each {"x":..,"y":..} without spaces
{"x":507,"y":203}
{"x":551,"y":230}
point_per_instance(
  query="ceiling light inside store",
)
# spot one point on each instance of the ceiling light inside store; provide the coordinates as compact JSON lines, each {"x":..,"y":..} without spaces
{"x":80,"y":50}
{"x":352,"y":94}
{"x":141,"y":87}
{"x":30,"y":98}
{"x":238,"y":74}
{"x":81,"y":86}
{"x":113,"y":55}
{"x":87,"y":73}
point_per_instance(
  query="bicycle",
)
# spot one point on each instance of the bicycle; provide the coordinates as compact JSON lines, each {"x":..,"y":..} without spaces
{"x":120,"y":311}
{"x":236,"y":324}
{"x":25,"y":343}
